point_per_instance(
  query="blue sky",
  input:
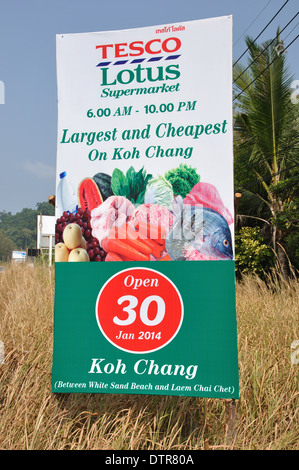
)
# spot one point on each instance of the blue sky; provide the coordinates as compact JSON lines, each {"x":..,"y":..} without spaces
{"x":28,"y":28}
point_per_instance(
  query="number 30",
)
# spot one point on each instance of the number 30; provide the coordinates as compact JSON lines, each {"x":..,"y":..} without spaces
{"x":133,"y":302}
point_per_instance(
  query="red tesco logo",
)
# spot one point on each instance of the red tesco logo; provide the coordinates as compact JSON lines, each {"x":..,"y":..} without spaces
{"x":137,"y":48}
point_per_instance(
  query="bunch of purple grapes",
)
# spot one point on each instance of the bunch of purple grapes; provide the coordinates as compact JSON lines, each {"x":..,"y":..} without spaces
{"x":81,"y":218}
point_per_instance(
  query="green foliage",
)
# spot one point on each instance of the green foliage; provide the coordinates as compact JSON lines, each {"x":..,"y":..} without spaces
{"x":131,"y":185}
{"x":182,"y":179}
{"x":21,"y":228}
{"x":266,"y":136}
{"x":6,"y":247}
{"x":292,"y":241}
{"x":288,"y":191}
{"x":252,"y":254}
{"x":44,"y":208}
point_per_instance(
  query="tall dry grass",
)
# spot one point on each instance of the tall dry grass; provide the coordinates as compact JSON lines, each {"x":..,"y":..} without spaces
{"x":33,"y":418}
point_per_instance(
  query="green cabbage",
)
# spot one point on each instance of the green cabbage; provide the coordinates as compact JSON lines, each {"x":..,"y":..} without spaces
{"x":159,"y":191}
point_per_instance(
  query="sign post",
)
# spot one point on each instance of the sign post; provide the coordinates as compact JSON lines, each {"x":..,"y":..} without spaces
{"x":145,"y":208}
{"x":45,"y":234}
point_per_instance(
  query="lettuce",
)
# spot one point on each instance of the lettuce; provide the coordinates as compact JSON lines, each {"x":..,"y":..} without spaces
{"x":159,"y":191}
{"x":131,"y":185}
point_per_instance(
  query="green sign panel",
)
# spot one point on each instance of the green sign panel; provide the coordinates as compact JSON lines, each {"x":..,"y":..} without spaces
{"x":198,"y":358}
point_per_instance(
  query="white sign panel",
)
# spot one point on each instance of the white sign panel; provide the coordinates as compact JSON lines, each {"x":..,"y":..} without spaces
{"x":45,"y":230}
{"x":19,"y":255}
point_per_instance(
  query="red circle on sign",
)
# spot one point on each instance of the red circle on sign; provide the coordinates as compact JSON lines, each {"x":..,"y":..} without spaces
{"x":139,"y":310}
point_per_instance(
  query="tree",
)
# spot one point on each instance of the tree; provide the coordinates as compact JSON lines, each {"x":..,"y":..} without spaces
{"x":252,"y":254}
{"x":21,"y":228}
{"x":266,"y":136}
{"x":6,"y":247}
{"x":45,"y":208}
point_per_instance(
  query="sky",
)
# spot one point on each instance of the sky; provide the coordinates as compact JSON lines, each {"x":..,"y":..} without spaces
{"x":28,"y":109}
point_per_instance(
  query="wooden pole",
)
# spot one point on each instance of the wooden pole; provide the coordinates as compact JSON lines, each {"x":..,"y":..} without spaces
{"x":206,"y":445}
{"x":230,"y":421}
{"x":236,"y":203}
{"x":50,"y":250}
{"x":230,"y":405}
{"x":51,"y":200}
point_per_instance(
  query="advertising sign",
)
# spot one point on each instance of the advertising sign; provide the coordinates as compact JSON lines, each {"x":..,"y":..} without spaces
{"x":45,"y":231}
{"x":144,"y":254}
{"x":18,"y":256}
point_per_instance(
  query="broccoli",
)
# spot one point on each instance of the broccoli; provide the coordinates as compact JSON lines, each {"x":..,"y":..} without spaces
{"x":183,"y":179}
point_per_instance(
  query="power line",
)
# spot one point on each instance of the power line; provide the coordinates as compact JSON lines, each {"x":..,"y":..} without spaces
{"x":261,"y":32}
{"x":252,"y":164}
{"x":268,"y":177}
{"x":263,"y":71}
{"x":252,"y":22}
{"x":266,"y":47}
{"x":267,"y":128}
{"x":252,"y":182}
{"x":282,"y":171}
{"x":291,"y":31}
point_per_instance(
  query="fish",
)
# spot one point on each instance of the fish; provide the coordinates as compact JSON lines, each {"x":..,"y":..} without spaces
{"x":207,"y":195}
{"x":200,"y":229}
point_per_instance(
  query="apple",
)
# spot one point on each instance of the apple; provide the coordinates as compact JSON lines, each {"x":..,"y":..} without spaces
{"x":78,"y":254}
{"x":72,"y":236}
{"x":61,"y":252}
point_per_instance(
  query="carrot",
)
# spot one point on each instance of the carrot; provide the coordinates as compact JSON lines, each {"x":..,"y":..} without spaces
{"x":162,"y":243}
{"x":123,"y":249}
{"x":113,"y":257}
{"x":131,"y":233}
{"x":125,"y":258}
{"x":156,"y":249}
{"x":113,"y":232}
{"x":138,"y":245}
{"x":152,"y":231}
{"x":165,"y":258}
{"x":125,"y":234}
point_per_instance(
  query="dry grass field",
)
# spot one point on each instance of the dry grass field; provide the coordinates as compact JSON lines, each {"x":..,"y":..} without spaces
{"x":32,"y":418}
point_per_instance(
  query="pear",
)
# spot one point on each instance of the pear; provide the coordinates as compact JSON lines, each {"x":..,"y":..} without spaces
{"x":61,"y":252}
{"x":78,"y":254}
{"x":72,"y":236}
